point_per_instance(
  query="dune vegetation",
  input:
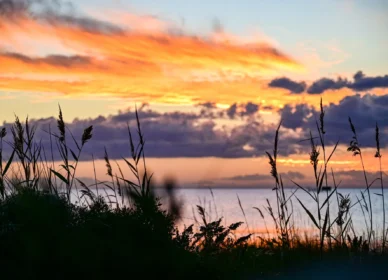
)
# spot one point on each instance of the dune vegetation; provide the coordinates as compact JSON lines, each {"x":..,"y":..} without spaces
{"x":125,"y":232}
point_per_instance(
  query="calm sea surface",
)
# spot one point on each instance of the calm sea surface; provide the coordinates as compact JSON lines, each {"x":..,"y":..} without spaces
{"x":224,"y":203}
{"x":220,"y":202}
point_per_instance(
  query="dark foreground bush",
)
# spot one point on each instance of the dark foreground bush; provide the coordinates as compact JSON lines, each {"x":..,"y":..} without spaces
{"x":43,"y":235}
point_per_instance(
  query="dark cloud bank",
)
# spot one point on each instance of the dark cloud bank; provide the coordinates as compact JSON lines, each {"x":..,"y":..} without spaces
{"x":365,"y":111}
{"x":264,"y":177}
{"x":360,"y":82}
{"x":178,"y":134}
{"x":174,"y":134}
{"x":286,"y":83}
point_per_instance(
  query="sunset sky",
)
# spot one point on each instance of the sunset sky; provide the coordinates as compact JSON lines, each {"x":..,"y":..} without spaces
{"x":212,"y":80}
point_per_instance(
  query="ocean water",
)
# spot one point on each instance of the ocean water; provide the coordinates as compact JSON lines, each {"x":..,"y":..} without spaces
{"x":220,"y":202}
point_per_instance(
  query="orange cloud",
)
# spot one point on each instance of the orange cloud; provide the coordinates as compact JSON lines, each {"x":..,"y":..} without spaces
{"x":146,"y":59}
{"x":154,"y":65}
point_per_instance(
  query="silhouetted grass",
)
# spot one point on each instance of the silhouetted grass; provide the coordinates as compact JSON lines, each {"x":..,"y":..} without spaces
{"x":127,"y":234}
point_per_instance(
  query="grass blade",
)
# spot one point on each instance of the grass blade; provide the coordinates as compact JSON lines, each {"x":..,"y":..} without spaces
{"x":60,"y":176}
{"x":305,"y":190}
{"x":309,"y":213}
{"x":327,"y":198}
{"x":8,"y":163}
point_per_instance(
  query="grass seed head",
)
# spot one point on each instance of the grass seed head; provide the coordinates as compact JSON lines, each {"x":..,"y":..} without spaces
{"x":87,"y":135}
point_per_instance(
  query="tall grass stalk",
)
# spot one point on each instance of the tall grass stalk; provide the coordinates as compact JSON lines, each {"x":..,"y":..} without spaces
{"x":322,"y":132}
{"x":378,"y":155}
{"x":243,"y":212}
{"x":355,"y":149}
{"x":282,"y":221}
{"x":322,"y":222}
{"x":3,"y":170}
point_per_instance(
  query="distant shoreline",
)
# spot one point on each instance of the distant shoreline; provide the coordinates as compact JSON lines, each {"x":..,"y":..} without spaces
{"x":255,"y":188}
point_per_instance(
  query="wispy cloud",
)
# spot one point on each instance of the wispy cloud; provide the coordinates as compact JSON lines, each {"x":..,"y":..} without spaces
{"x":165,"y":64}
